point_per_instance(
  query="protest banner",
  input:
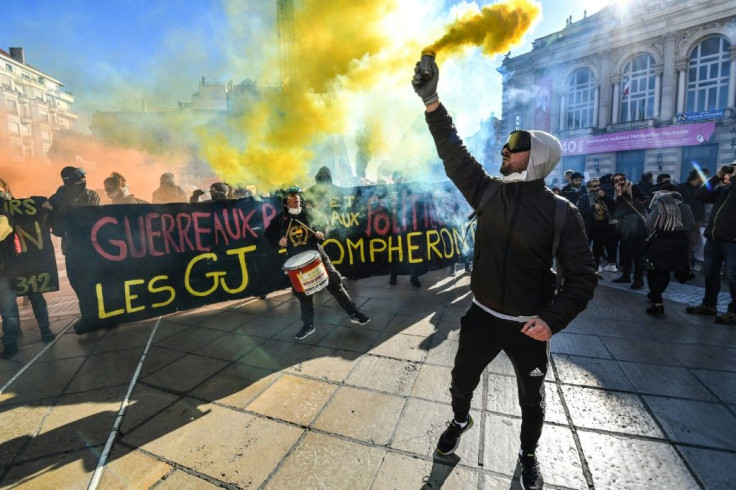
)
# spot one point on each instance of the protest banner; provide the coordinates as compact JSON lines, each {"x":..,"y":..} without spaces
{"x":146,"y":260}
{"x":35,"y":267}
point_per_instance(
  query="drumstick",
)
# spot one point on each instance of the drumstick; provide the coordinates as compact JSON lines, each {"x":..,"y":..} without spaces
{"x":305,"y":226}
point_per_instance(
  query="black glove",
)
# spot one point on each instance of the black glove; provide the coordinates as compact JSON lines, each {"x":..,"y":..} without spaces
{"x":426,"y":89}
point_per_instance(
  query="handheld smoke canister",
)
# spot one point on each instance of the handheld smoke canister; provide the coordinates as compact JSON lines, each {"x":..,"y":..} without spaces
{"x":425,"y":63}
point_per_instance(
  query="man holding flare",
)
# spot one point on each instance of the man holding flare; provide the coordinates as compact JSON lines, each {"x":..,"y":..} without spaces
{"x":515,"y":307}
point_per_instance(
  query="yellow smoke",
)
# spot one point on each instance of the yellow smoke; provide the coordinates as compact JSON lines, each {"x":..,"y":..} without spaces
{"x":350,"y":72}
{"x":496,"y":28}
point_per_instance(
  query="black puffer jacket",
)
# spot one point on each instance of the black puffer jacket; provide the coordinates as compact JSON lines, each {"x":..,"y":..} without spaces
{"x":513,"y":244}
{"x":722,"y":221}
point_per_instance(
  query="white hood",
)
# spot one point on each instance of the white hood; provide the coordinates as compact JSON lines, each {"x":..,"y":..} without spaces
{"x":545,"y":154}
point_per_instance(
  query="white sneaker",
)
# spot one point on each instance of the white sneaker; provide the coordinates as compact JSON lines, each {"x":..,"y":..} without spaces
{"x":611,"y":268}
{"x":600,"y":268}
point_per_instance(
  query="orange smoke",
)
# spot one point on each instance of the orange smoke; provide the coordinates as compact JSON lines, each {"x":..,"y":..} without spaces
{"x":41,"y":177}
{"x":496,"y":28}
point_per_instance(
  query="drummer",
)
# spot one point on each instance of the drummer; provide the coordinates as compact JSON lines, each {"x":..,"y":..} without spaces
{"x":297,"y":229}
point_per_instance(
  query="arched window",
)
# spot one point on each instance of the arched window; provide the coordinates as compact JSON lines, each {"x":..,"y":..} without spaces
{"x":707,"y":79}
{"x":637,"y":89}
{"x":580,"y":99}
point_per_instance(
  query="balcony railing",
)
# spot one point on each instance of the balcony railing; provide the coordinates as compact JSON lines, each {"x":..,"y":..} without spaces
{"x":574,"y":133}
{"x":629,"y":125}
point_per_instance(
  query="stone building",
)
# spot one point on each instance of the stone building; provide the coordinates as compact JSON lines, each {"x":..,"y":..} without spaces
{"x":651,"y":87}
{"x":33,"y":108}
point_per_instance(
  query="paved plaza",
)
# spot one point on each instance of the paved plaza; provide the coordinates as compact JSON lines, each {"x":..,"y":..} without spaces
{"x":222,"y":396}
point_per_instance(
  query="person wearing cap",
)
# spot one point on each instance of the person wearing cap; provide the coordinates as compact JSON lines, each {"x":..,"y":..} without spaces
{"x":168,"y":191}
{"x":574,"y":189}
{"x":72,"y":193}
{"x":515,"y":308}
{"x":298,"y":229}
{"x":116,"y":188}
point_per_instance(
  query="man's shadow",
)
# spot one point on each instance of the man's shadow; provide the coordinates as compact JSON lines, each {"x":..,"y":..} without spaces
{"x":442,"y":467}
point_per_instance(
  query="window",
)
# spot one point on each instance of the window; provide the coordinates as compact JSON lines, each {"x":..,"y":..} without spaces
{"x":12,"y":106}
{"x":5,"y":81}
{"x":45,"y":135}
{"x":13,"y":127}
{"x":580,"y":99}
{"x":43,"y":116}
{"x":707,"y":79}
{"x":8,"y":67}
{"x":637,"y":89}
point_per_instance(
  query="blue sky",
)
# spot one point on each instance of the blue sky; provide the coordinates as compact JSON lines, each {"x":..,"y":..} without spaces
{"x":113,"y":54}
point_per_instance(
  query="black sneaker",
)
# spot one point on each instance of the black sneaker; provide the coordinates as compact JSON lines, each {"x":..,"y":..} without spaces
{"x":10,"y":349}
{"x":728,"y":317}
{"x":531,"y":475}
{"x":701,"y":310}
{"x":450,"y":438}
{"x":305,"y":332}
{"x":656,"y":309}
{"x":47,"y":335}
{"x":359,"y":318}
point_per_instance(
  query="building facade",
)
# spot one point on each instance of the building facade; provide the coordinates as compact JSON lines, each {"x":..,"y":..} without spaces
{"x":651,"y":90}
{"x":32,"y":108}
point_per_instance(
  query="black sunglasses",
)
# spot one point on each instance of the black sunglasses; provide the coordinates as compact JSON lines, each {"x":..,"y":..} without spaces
{"x":518,"y":141}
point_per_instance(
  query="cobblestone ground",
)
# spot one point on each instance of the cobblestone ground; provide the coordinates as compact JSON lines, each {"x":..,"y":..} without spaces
{"x":222,"y":396}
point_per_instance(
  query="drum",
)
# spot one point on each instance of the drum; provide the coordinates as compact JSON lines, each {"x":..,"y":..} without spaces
{"x":307,"y":272}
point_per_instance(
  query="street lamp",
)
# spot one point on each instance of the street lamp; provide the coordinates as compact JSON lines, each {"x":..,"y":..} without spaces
{"x":733,"y":138}
{"x":659,"y":161}
{"x":595,"y":166}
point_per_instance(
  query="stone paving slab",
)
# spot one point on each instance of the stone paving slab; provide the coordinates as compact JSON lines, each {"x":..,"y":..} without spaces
{"x":227,"y":398}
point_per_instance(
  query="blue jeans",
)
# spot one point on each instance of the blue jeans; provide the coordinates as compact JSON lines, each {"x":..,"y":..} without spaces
{"x":40,"y":309}
{"x":716,"y":254}
{"x":9,"y":310}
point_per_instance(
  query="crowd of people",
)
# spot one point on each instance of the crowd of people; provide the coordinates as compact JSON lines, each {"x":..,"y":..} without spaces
{"x":662,"y":229}
{"x":74,"y":192}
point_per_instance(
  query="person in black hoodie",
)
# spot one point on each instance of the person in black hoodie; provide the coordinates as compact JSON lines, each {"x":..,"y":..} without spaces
{"x":73,"y":193}
{"x":297,"y":230}
{"x":515,"y":308}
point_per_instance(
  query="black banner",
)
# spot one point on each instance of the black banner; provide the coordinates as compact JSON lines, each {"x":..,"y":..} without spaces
{"x":130,"y":262}
{"x":35,"y":266}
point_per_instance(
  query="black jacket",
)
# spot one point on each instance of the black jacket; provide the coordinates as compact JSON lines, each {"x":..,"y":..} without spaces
{"x":572,"y":193}
{"x":697,"y":206}
{"x":65,"y":198}
{"x":513,"y":243}
{"x":722,"y":221}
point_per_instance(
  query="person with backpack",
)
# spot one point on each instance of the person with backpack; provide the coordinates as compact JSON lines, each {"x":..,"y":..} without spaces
{"x":515,"y":308}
